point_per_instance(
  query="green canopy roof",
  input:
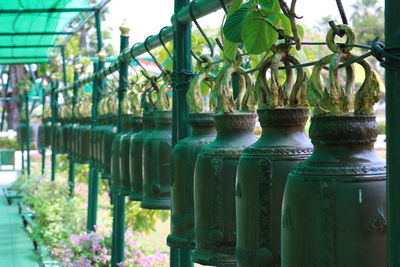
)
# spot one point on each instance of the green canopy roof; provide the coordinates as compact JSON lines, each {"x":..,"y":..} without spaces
{"x":31,"y":29}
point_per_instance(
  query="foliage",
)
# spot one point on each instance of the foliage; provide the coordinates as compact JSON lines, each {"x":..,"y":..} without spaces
{"x":9,"y":143}
{"x":367,"y":21}
{"x":61,"y":221}
{"x":381,"y":127}
{"x":93,"y":249}
{"x":56,"y":214}
{"x":258,"y":24}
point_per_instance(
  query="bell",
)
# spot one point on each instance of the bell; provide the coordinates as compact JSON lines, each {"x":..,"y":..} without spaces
{"x":261,"y":177}
{"x":136,"y":127}
{"x":136,"y":157}
{"x":115,"y":152}
{"x":156,"y":162}
{"x":77,"y":143}
{"x":41,"y":135}
{"x":110,"y":131}
{"x":65,"y":125}
{"x":72,"y":139}
{"x":21,"y":133}
{"x":84,"y":141}
{"x":214,"y":189}
{"x":333,"y":211}
{"x":57,"y":137}
{"x":48,"y":133}
{"x":94,"y":143}
{"x":186,"y":150}
{"x":98,"y":142}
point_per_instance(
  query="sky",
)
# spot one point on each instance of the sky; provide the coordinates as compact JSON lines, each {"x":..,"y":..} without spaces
{"x":148,"y":17}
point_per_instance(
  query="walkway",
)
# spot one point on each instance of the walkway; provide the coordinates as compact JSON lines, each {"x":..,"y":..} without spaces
{"x":16,"y":248}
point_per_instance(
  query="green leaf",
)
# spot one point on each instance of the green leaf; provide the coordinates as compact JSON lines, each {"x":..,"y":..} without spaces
{"x":230,"y":50}
{"x":269,"y":5}
{"x":258,"y":36}
{"x":205,"y":89}
{"x":300,"y":30}
{"x":279,"y":20}
{"x":233,"y":26}
{"x":235,"y":4}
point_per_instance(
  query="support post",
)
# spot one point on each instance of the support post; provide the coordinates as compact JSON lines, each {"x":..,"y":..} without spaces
{"x":64,"y":66}
{"x":72,"y":165}
{"x":43,"y":151}
{"x":180,"y":128}
{"x":94,"y":174}
{"x":28,"y":137}
{"x":392,"y":81}
{"x":54,"y":104}
{"x":3,"y":113}
{"x":93,"y":171}
{"x":118,"y":243}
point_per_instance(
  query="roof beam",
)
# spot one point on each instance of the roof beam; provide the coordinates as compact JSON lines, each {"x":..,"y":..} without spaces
{"x":48,"y":10}
{"x":35,"y":33}
{"x":29,"y":46}
{"x":24,"y":57}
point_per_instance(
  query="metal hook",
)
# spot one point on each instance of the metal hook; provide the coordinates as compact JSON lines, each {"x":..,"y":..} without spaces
{"x":219,"y":43}
{"x":134,"y":81}
{"x":144,"y":71}
{"x":199,"y":28}
{"x":152,"y":56}
{"x":162,"y":42}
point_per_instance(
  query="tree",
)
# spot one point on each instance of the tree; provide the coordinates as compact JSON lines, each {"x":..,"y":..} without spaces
{"x":368,"y":21}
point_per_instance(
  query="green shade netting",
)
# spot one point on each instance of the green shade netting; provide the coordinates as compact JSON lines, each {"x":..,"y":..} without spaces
{"x":33,"y":22}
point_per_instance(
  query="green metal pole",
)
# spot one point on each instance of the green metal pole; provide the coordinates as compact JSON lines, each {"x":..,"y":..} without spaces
{"x":54,"y":104}
{"x":72,"y":165}
{"x":28,"y":137}
{"x":392,"y":81}
{"x":118,"y":243}
{"x":64,"y":66}
{"x":3,"y":113}
{"x":43,"y":152}
{"x":180,"y":129}
{"x":22,"y":145}
{"x":94,"y":173}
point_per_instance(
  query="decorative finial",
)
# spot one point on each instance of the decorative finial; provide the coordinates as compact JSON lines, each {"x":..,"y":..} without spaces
{"x":102,"y":55}
{"x":124,"y":28}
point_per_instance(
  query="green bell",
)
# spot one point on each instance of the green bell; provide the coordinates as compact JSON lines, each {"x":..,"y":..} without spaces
{"x":116,"y":184}
{"x":21,"y":133}
{"x":334,"y":208}
{"x":261,"y":177}
{"x":72,"y":139}
{"x":94,"y":142}
{"x":56,"y":139}
{"x":84,"y":141}
{"x":214,"y":189}
{"x":64,"y":135}
{"x":48,"y":133}
{"x":41,"y":136}
{"x":110,"y":131}
{"x":183,"y":162}
{"x":77,"y":140}
{"x":136,"y":157}
{"x":136,"y":127}
{"x":156,"y":163}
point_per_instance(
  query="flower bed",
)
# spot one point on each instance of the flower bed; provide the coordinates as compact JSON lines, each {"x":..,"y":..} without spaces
{"x":61,"y":223}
